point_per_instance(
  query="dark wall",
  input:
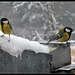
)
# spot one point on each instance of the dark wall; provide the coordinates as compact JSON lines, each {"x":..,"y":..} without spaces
{"x":31,"y":63}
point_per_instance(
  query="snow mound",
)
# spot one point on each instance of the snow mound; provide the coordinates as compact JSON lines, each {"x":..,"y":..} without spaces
{"x":18,"y":44}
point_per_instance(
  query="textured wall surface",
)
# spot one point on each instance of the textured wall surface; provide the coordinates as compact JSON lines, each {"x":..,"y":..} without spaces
{"x":61,"y":56}
{"x":31,"y":63}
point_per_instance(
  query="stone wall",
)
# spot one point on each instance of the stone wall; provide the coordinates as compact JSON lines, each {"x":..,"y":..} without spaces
{"x":31,"y":63}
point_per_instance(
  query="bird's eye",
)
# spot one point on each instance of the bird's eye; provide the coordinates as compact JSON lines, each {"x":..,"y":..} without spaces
{"x":5,"y":22}
{"x":67,"y":30}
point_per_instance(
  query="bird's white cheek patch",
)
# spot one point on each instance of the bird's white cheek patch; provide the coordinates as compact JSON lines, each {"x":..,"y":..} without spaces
{"x":5,"y":22}
{"x":67,"y":30}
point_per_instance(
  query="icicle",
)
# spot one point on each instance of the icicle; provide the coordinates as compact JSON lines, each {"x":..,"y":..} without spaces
{"x":21,"y":56}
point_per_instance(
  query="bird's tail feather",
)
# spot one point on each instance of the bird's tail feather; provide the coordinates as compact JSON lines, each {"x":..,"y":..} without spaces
{"x":54,"y":37}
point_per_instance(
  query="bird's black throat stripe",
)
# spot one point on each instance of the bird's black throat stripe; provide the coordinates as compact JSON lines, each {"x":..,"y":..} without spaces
{"x":69,"y":35}
{"x":3,"y":29}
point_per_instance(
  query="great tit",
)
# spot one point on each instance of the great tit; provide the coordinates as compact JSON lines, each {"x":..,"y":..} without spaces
{"x":5,"y":27}
{"x":63,"y":35}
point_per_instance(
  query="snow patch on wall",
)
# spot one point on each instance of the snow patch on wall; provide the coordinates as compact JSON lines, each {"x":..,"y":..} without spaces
{"x":18,"y":44}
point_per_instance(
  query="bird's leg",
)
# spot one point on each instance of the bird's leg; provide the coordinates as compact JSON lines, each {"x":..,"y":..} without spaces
{"x":48,"y":42}
{"x":63,"y":44}
{"x":9,"y":38}
{"x":2,"y":35}
{"x":67,"y":43}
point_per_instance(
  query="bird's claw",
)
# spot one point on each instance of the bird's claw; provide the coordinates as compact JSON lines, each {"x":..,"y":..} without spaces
{"x":2,"y":35}
{"x":8,"y":40}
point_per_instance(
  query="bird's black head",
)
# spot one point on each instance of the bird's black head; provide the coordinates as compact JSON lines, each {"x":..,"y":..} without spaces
{"x":68,"y":29}
{"x":4,"y":20}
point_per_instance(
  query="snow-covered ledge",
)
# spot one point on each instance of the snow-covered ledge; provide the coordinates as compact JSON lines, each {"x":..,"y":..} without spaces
{"x":18,"y":44}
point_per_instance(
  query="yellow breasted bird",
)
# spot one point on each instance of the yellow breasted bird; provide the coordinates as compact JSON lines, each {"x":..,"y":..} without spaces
{"x":5,"y":27}
{"x":63,"y":35}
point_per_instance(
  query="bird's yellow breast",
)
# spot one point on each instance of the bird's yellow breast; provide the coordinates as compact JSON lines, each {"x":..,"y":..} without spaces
{"x":6,"y":28}
{"x":64,"y":38}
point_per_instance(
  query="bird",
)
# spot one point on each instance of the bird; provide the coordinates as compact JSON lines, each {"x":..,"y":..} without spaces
{"x":5,"y":27}
{"x":63,"y":35}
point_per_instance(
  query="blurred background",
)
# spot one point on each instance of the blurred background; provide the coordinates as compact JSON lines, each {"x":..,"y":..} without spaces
{"x":38,"y":20}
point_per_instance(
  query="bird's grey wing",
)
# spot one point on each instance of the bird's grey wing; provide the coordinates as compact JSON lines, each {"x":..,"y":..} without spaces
{"x":55,"y":37}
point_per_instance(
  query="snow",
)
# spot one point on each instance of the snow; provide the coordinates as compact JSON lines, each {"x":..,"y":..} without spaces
{"x":25,"y":16}
{"x":21,"y":4}
{"x":54,"y":19}
{"x":68,"y":67}
{"x":18,"y":2}
{"x":38,"y":36}
{"x":18,"y":44}
{"x":18,"y":5}
{"x":73,"y":14}
{"x":5,"y":2}
{"x":32,"y":17}
{"x":30,"y":5}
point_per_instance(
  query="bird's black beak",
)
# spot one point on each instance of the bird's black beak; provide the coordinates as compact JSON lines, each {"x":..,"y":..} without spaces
{"x":73,"y":30}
